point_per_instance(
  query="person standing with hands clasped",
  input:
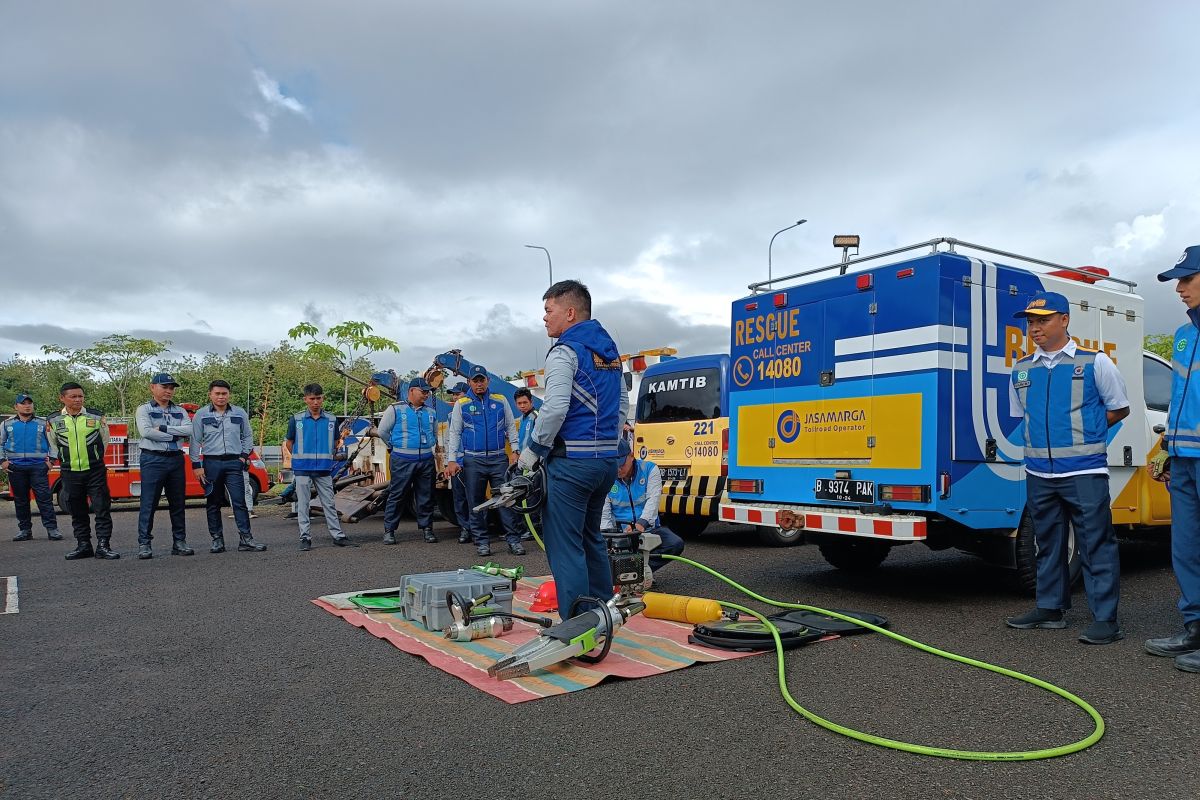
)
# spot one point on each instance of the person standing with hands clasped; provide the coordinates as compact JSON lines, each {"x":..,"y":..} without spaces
{"x":312,"y":440}
{"x":25,"y":456}
{"x":1179,"y":465}
{"x":78,"y":438}
{"x":1069,"y":398}
{"x":409,"y":430}
{"x":220,"y":452}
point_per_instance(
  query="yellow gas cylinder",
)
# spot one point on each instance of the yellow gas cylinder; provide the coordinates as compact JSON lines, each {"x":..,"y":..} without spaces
{"x":680,"y":608}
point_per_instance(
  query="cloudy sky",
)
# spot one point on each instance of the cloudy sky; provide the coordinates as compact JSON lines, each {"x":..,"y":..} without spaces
{"x":214,"y":172}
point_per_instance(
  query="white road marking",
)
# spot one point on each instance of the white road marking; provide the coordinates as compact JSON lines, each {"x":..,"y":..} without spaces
{"x":10,"y":596}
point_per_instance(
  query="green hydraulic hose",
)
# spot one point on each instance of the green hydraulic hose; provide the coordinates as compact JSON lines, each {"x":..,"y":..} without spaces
{"x":895,"y":744}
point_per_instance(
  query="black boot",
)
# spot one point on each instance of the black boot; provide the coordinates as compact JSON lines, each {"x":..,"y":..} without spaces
{"x":428,"y":534}
{"x":218,"y":545}
{"x":54,"y":535}
{"x":105,"y":552}
{"x":246,"y":542}
{"x":23,"y":536}
{"x":83,"y":549}
{"x":180,"y":548}
{"x":145,"y":551}
{"x":1177,"y":645}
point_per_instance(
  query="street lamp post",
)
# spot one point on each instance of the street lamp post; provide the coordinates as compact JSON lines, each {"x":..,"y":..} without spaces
{"x":769,"y":246}
{"x":548,"y":261}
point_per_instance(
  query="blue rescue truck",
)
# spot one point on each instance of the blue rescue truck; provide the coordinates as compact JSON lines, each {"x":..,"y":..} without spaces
{"x":869,"y":403}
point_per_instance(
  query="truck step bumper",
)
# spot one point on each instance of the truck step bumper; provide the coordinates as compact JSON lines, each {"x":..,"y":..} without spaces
{"x":818,"y":519}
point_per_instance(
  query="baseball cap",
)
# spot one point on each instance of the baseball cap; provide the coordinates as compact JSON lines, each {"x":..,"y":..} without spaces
{"x":477,"y":371}
{"x":1188,"y":264}
{"x":164,"y":379}
{"x":458,"y":388}
{"x":23,"y":397}
{"x":419,"y":383}
{"x":1043,"y":304}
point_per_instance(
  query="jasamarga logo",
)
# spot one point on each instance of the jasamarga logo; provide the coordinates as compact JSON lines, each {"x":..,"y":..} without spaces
{"x":674,"y":384}
{"x":829,"y":417}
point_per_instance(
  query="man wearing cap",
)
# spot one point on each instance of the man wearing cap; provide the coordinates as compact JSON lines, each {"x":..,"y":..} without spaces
{"x":78,"y":438}
{"x":577,"y":432}
{"x":1069,"y":398}
{"x":481,"y":424}
{"x":632,"y":504}
{"x":219,"y":448}
{"x":312,"y":439}
{"x":164,"y":428}
{"x":1179,"y":465}
{"x":410,"y":429}
{"x":25,"y":456}
{"x":458,"y":480}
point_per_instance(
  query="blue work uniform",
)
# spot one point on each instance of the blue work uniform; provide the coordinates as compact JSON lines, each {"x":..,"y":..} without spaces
{"x":1182,"y":443}
{"x":25,"y":445}
{"x":635,"y":501}
{"x":480,"y":429}
{"x":410,"y":432}
{"x":577,"y":431}
{"x":1064,"y":397}
{"x":220,"y":445}
{"x":164,"y":431}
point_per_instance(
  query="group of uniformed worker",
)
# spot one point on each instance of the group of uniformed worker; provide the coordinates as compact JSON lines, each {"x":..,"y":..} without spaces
{"x":1069,"y":397}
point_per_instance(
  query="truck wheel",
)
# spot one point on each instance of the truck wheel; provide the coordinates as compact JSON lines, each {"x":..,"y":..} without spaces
{"x":60,"y":498}
{"x":773,"y":536}
{"x":686,"y":525}
{"x":445,"y":505}
{"x":1026,"y":551}
{"x":854,"y":555}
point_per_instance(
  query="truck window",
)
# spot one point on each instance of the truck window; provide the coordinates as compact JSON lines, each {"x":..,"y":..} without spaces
{"x":1156,"y":381}
{"x":680,"y":396}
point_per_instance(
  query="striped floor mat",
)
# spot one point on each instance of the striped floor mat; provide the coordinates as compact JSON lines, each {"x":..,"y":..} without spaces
{"x":643,"y":647}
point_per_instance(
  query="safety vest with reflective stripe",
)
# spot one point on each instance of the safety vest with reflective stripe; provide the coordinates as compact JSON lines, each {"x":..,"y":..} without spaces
{"x":413,"y":435}
{"x":484,"y":432}
{"x":80,"y":440}
{"x":628,"y":500}
{"x":25,"y":443}
{"x":525,"y":428}
{"x":1183,"y":416}
{"x":1066,"y":425}
{"x":312,"y":450}
{"x":592,"y":427}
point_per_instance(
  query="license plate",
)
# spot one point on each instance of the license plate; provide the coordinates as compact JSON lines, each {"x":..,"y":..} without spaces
{"x":845,"y":491}
{"x":673,"y":473}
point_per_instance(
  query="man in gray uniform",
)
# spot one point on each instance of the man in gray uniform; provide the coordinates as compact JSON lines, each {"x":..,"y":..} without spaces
{"x":164,"y":427}
{"x":220,"y":452}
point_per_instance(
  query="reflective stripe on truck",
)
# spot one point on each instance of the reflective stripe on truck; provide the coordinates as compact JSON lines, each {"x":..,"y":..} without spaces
{"x":893,"y":528}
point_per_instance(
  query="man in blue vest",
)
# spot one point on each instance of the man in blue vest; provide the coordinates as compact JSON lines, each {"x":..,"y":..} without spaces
{"x":164,"y":428}
{"x":312,"y":440}
{"x":458,"y":481}
{"x":524,"y":400}
{"x":25,"y":456}
{"x":481,"y":424}
{"x":1069,"y":398}
{"x":1179,"y":465}
{"x":577,"y":432}
{"x":632,"y":504}
{"x":410,"y":431}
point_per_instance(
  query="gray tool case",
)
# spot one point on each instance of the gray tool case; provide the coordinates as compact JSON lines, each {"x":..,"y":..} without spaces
{"x":423,"y":597}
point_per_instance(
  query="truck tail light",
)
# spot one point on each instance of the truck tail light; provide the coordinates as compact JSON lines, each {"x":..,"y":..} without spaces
{"x":638,"y":364}
{"x":906,"y":494}
{"x":745,"y":486}
{"x":725,"y":452}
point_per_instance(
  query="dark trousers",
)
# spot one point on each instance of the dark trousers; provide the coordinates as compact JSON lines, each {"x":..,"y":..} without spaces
{"x":1083,"y":501}
{"x":22,"y":481}
{"x":575,"y":492}
{"x":225,"y":477}
{"x":481,"y":472}
{"x":81,"y":487}
{"x":1185,"y":533}
{"x":417,"y":475}
{"x":462,"y":505}
{"x":671,"y":545}
{"x":162,"y":472}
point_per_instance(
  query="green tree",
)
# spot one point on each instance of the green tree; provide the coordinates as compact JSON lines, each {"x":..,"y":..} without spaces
{"x":119,"y":357}
{"x":344,"y":349}
{"x":1160,"y":344}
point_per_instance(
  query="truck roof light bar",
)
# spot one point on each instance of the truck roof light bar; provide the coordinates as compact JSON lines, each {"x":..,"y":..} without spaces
{"x":935,"y":245}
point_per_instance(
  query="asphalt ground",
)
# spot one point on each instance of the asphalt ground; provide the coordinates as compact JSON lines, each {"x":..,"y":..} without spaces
{"x":215,"y":677}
